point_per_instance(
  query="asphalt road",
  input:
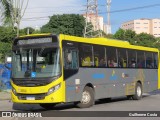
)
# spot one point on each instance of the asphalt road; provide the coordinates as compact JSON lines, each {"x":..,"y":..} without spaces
{"x":149,"y":102}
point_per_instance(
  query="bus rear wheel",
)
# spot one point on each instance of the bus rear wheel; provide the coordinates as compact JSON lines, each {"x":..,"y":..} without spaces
{"x":138,"y":92}
{"x":47,"y":106}
{"x":87,"y":98}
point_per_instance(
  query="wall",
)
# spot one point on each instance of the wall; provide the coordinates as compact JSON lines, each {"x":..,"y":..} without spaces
{"x":5,"y":75}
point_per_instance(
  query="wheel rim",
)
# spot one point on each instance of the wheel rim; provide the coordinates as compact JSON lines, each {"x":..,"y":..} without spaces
{"x":86,"y":97}
{"x":139,"y":91}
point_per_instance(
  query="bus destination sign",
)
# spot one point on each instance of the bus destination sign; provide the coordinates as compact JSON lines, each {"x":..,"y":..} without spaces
{"x":35,"y":41}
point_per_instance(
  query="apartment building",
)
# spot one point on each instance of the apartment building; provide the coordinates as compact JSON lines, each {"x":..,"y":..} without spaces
{"x":92,"y":18}
{"x":149,"y":26}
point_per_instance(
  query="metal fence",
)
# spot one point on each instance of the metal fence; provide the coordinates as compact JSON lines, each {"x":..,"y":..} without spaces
{"x":5,"y":75}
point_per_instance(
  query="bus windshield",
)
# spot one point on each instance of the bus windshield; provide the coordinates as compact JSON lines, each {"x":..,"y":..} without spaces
{"x":36,"y":63}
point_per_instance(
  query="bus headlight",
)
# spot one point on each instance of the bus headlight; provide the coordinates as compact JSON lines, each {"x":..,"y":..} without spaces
{"x":53,"y":89}
{"x":14,"y":91}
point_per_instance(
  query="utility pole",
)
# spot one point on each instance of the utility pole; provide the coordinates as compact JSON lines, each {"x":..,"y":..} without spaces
{"x":92,"y":27}
{"x":108,"y":17}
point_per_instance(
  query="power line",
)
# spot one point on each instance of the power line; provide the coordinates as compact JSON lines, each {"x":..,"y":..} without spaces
{"x":54,"y":7}
{"x":55,"y":11}
{"x":130,"y":9}
{"x":36,"y":17}
{"x":115,"y":11}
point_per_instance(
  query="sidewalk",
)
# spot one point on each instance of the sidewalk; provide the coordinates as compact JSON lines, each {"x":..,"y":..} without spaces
{"x":5,"y":95}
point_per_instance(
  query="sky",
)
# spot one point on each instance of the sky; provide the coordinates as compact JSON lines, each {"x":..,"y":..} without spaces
{"x":38,"y":10}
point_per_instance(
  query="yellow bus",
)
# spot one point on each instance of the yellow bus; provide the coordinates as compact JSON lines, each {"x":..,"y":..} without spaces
{"x":49,"y":69}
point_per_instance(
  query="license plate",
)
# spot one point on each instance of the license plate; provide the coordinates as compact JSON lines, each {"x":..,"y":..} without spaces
{"x":30,"y":98}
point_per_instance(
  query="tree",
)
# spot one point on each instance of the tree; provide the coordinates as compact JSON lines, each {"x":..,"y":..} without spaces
{"x":144,"y":39}
{"x":7,"y":34}
{"x":13,"y":11}
{"x":5,"y":50}
{"x":6,"y":37}
{"x":129,"y":36}
{"x":120,"y":34}
{"x":5,"y":8}
{"x":70,"y":24}
{"x":126,"y":35}
{"x":107,"y":35}
{"x":157,"y":43}
{"x":27,"y":30}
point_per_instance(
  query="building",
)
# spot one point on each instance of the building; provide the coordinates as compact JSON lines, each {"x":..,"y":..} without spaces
{"x":149,"y":26}
{"x":155,"y":27}
{"x":92,"y":18}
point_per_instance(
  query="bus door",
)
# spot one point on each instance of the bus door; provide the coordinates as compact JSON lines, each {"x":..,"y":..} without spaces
{"x":70,"y":58}
{"x":70,"y":69}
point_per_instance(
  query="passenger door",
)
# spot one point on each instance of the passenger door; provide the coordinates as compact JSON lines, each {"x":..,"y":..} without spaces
{"x":70,"y":60}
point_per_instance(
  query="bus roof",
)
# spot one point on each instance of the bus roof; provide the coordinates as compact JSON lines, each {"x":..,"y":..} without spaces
{"x":108,"y":42}
{"x":100,"y":41}
{"x":34,"y":35}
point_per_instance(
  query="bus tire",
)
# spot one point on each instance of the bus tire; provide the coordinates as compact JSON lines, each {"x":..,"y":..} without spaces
{"x":138,"y":92}
{"x":47,"y":106}
{"x":87,"y":98}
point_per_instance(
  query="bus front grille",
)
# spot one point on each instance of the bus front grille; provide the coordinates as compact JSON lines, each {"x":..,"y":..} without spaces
{"x":29,"y":96}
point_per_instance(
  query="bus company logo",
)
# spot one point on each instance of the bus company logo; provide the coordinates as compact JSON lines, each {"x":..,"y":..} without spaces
{"x":124,"y":75}
{"x":98,"y":76}
{"x":113,"y":76}
{"x":21,"y":114}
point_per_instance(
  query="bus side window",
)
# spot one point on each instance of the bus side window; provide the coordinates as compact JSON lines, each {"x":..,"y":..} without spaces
{"x":122,"y":57}
{"x":155,"y":60}
{"x":141,"y":62}
{"x":111,"y":54}
{"x":132,"y":59}
{"x":70,"y":57}
{"x":99,"y":56}
{"x":86,"y":55}
{"x":149,"y":60}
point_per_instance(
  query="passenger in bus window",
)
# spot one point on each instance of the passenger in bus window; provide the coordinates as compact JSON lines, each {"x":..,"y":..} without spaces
{"x":120,"y":63}
{"x":149,"y":66}
{"x":110,"y":64}
{"x":114,"y":63}
{"x":152,"y":64}
{"x":86,"y":61}
{"x":102,"y":63}
{"x":96,"y":61}
{"x":132,"y":63}
{"x":149,"y":63}
{"x":140,"y":64}
{"x":124,"y":62}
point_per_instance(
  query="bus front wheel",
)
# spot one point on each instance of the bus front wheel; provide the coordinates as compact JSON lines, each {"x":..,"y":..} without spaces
{"x":47,"y":106}
{"x":138,"y":92}
{"x":87,"y":99}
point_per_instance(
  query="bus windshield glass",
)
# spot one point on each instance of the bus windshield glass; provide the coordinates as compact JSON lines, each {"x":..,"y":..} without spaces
{"x":36,"y":63}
